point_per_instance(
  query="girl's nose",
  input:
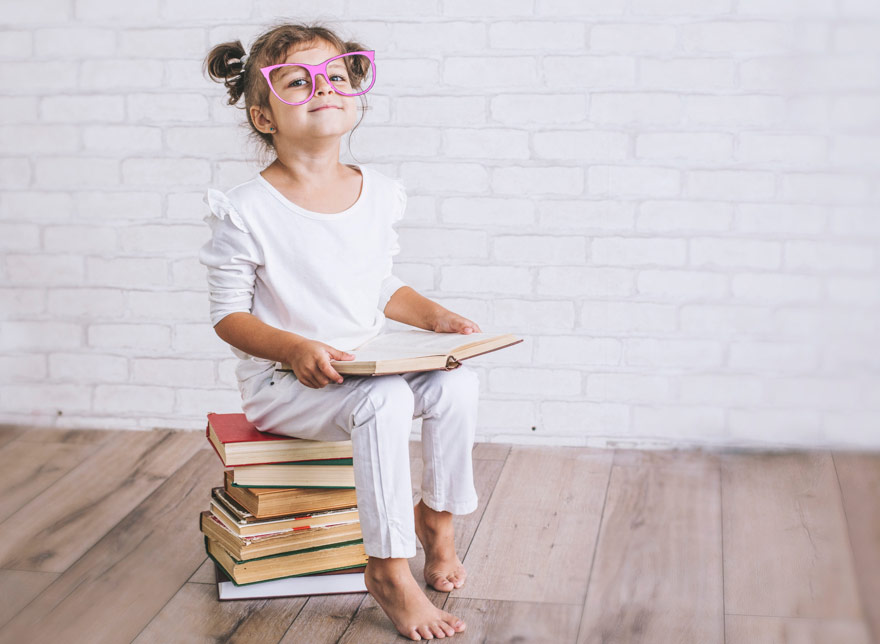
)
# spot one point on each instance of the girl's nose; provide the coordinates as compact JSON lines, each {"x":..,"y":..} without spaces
{"x":321,"y":84}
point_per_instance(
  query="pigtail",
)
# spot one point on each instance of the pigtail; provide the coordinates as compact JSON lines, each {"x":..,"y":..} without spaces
{"x":223,"y":65}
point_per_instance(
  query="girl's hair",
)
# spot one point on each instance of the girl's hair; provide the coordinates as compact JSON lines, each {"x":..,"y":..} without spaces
{"x":223,"y":65}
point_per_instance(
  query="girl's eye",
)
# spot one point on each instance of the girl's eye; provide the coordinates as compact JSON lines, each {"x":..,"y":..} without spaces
{"x":339,"y":76}
{"x":298,"y":80}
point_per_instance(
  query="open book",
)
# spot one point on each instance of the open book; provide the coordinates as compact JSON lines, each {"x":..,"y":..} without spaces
{"x":418,"y":350}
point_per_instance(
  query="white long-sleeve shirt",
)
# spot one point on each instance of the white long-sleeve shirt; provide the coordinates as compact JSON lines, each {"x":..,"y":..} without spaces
{"x":326,"y":277}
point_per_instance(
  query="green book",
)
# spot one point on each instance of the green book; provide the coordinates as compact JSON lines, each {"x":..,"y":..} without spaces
{"x":337,"y":556}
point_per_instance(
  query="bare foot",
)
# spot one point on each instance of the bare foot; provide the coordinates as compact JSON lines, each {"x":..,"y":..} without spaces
{"x":443,"y":570}
{"x":392,"y":585}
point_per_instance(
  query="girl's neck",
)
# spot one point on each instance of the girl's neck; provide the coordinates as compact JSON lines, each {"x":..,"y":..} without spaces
{"x":330,"y":193}
{"x":306,"y":170}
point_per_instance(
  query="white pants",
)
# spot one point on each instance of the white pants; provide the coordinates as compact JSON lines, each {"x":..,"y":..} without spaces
{"x":376,"y":413}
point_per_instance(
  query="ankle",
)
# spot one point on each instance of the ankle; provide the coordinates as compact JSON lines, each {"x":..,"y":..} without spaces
{"x":390,"y":568}
{"x":431,"y":516}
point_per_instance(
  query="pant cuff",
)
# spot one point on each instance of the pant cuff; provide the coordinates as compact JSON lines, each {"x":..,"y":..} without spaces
{"x":397,"y":551}
{"x":440,"y":505}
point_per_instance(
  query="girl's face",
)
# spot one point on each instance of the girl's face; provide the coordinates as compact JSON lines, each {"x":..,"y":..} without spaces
{"x":301,"y":123}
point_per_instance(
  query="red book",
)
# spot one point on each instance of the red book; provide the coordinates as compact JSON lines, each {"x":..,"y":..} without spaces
{"x":239,"y":442}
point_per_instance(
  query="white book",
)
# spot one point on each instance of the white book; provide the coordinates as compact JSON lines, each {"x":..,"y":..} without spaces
{"x":417,"y":350}
{"x":291,"y":586}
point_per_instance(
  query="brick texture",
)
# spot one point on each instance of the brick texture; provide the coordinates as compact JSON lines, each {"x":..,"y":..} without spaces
{"x":674,"y":203}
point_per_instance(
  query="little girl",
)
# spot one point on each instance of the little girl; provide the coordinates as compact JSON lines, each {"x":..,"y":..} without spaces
{"x":299,"y":271}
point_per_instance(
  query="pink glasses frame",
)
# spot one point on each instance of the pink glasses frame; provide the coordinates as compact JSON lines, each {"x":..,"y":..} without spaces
{"x":321,"y":69}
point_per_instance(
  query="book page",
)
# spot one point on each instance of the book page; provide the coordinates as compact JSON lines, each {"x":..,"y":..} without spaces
{"x":414,"y":344}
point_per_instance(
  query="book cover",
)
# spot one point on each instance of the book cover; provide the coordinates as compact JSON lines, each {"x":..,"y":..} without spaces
{"x":345,"y":580}
{"x":239,"y":442}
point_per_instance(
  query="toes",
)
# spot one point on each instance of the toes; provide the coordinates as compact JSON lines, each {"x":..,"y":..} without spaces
{"x":453,"y":621}
{"x":439,"y":633}
{"x":414,"y":635}
{"x":440,"y":583}
{"x":447,"y":629}
{"x":425,"y":632}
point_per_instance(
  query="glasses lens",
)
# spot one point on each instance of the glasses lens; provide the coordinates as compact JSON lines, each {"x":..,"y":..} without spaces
{"x":351,"y":74}
{"x":291,"y":82}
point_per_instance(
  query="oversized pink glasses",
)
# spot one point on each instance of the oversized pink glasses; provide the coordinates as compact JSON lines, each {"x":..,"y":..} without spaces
{"x":294,"y":83}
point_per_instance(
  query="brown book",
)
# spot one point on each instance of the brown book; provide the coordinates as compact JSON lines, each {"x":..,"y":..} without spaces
{"x":418,"y":350}
{"x":242,"y":523}
{"x":246,"y":548}
{"x":304,"y":562}
{"x":276,"y":502}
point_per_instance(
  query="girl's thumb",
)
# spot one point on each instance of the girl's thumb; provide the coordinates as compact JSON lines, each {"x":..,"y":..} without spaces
{"x":341,"y":355}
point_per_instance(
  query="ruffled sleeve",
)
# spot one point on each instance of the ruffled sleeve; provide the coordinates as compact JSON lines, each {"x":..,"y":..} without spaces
{"x":222,"y":208}
{"x":232,"y":257}
{"x":391,"y":282}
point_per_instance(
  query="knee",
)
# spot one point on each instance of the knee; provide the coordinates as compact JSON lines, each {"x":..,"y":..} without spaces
{"x":389,"y":397}
{"x":459,"y":386}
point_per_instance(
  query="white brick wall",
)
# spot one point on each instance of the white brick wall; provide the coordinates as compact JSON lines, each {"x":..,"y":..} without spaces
{"x":674,"y":203}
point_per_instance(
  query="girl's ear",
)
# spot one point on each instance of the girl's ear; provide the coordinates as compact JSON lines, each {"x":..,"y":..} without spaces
{"x":260,"y":121}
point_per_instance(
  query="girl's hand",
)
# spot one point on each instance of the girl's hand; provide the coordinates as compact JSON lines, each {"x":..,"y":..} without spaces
{"x":310,"y":361}
{"x":449,"y":322}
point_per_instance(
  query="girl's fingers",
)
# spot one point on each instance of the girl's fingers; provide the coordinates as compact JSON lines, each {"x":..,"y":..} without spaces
{"x":329,"y":372}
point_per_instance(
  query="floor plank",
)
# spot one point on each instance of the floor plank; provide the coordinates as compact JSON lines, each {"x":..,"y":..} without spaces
{"x":25,"y":471}
{"x":205,"y":573}
{"x":57,"y":526}
{"x":195,"y":615}
{"x":750,"y":629}
{"x":18,"y":588}
{"x":113,"y":591}
{"x":491,"y":451}
{"x":677,"y":458}
{"x":9,"y":433}
{"x":657,"y":570}
{"x":501,"y":621}
{"x":536,"y":538}
{"x":325,"y":618}
{"x":859,"y":476}
{"x":786,"y":549}
{"x":68,"y":436}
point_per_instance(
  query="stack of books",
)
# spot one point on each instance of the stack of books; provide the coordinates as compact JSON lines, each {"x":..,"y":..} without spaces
{"x":285,"y":522}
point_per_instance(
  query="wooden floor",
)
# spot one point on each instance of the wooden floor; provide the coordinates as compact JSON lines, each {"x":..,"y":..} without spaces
{"x":99,"y":542}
